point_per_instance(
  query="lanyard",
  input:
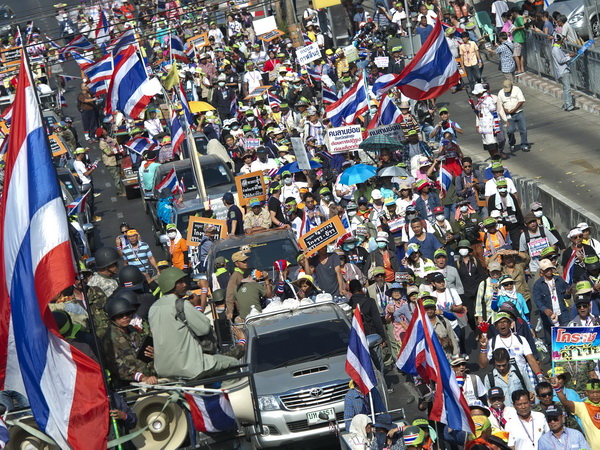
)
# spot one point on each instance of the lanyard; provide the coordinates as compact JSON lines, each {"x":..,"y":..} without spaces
{"x":532,"y":436}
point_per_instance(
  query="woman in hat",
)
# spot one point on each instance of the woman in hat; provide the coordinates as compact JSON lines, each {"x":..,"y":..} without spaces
{"x":305,"y":288}
{"x":416,"y":262}
{"x":508,"y":293}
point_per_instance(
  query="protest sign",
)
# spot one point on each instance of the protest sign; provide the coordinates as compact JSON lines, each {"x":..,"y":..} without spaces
{"x":322,"y":235}
{"x":251,"y":143}
{"x":575,"y":343}
{"x":11,"y":55}
{"x":392,"y":130}
{"x":263,"y":26}
{"x":273,"y":34}
{"x":320,"y":4}
{"x":200,"y":40}
{"x":56,"y":145}
{"x":300,"y":152}
{"x":249,"y":186}
{"x":343,"y":139}
{"x":308,"y":54}
{"x":197,"y":225}
{"x":382,"y":61}
{"x":351,"y":53}
{"x":536,"y":245}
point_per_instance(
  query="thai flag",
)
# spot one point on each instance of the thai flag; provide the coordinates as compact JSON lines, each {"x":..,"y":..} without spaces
{"x":77,"y":206}
{"x":99,"y":88}
{"x":7,"y":114}
{"x":423,"y":355}
{"x":274,"y":100}
{"x":189,"y":117}
{"x":233,"y":108}
{"x":314,"y":74}
{"x":101,"y":70}
{"x":358,"y":359}
{"x":177,"y":51}
{"x":67,"y":78}
{"x":431,"y":73}
{"x":82,"y":61}
{"x":570,"y":268}
{"x":62,"y":101}
{"x":169,"y":182}
{"x":352,"y":104}
{"x":4,"y":436}
{"x":307,"y":40}
{"x":18,"y":38}
{"x":64,"y":386}
{"x":177,"y":134}
{"x":388,"y":111}
{"x":306,"y":225}
{"x":211,"y":414}
{"x":130,"y":90}
{"x":190,"y":51}
{"x":182,"y":186}
{"x":444,"y":179}
{"x":29,"y":31}
{"x":78,"y":44}
{"x":329,"y":96}
{"x":138,"y":147}
{"x":123,"y":41}
{"x":102,"y":29}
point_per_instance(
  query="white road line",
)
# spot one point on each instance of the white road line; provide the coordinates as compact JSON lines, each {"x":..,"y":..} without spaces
{"x":119,"y":215}
{"x":113,"y":199}
{"x":108,"y":184}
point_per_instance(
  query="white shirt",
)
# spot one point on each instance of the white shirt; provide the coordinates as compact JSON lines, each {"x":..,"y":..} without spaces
{"x":153,"y":126}
{"x":431,"y":17}
{"x":525,"y":435}
{"x":445,"y":300}
{"x":80,"y":168}
{"x":491,"y":188}
{"x":269,"y":164}
{"x":469,"y":389}
{"x":509,"y":102}
{"x":499,"y":7}
{"x":254,"y":80}
{"x":517,"y":350}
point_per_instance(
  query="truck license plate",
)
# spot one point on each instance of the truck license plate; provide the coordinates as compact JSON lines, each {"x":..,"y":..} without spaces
{"x":325,"y":415}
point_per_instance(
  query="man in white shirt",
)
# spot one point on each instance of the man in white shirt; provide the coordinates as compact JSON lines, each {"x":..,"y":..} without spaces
{"x":490,"y":185}
{"x":471,"y":385}
{"x":84,"y":172}
{"x":252,"y":78}
{"x":510,"y":109}
{"x":528,"y":426}
{"x":263,"y":162}
{"x":153,"y":125}
{"x":498,"y":8}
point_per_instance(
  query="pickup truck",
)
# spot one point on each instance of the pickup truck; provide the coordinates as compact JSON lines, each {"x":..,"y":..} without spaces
{"x":298,"y":358}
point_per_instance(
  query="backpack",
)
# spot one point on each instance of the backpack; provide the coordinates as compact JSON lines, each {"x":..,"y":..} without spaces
{"x":208,"y":342}
{"x":492,"y":381}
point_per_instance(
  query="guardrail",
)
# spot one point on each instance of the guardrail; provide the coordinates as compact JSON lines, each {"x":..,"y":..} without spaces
{"x":585,"y":71}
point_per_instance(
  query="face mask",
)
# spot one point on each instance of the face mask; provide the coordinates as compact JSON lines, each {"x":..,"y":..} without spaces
{"x":172,"y":234}
{"x":221,"y":83}
{"x":250,"y":118}
{"x":464,"y":208}
{"x":463,"y":251}
{"x":410,"y":216}
{"x":502,"y":190}
{"x":440,"y":217}
{"x":539,"y":213}
{"x":360,"y":239}
{"x":287,"y":181}
{"x":382,"y":244}
{"x":327,"y":198}
{"x":373,"y":110}
{"x":351,"y":213}
{"x":235,"y":127}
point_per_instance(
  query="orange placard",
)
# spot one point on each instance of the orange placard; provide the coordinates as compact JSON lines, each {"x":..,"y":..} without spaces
{"x":257,"y":92}
{"x":200,"y":40}
{"x":249,"y":186}
{"x":56,"y":145}
{"x":196,"y":226}
{"x":9,"y":55}
{"x":274,"y":34}
{"x":322,"y":235}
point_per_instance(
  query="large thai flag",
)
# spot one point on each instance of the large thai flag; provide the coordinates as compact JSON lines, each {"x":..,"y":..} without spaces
{"x":103,"y":28}
{"x":211,"y":414}
{"x":169,"y":182}
{"x":177,"y":50}
{"x":64,"y":386}
{"x":51,"y":43}
{"x":130,"y":90}
{"x":431,"y":73}
{"x":101,"y":70}
{"x":352,"y":104}
{"x":123,"y":41}
{"x":444,"y":179}
{"x":177,"y":134}
{"x":316,"y":76}
{"x":569,"y":269}
{"x":386,"y":114}
{"x":4,"y":436}
{"x":423,"y":355}
{"x":329,"y":96}
{"x":358,"y":359}
{"x":189,"y":117}
{"x":79,"y":44}
{"x":138,"y":147}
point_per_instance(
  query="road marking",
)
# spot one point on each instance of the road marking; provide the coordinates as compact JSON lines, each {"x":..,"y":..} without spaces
{"x":119,"y":215}
{"x":107,"y":184}
{"x":113,"y":199}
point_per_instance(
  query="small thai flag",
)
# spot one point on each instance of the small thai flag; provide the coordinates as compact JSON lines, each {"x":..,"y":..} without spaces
{"x":307,"y":40}
{"x":189,"y":117}
{"x":273,"y":100}
{"x":358,"y":358}
{"x":62,"y":100}
{"x":177,"y":51}
{"x":314,"y":74}
{"x":211,"y":414}
{"x":570,"y":268}
{"x":77,"y":206}
{"x":169,"y":182}
{"x":444,"y":179}
{"x":138,"y":147}
{"x":177,"y":134}
{"x":233,"y":108}
{"x":67,"y":78}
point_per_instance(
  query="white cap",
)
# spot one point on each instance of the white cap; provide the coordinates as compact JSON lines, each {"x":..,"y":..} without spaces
{"x":376,"y":194}
{"x":583,"y":226}
{"x":478,"y":89}
{"x":574,"y":232}
{"x":382,"y":236}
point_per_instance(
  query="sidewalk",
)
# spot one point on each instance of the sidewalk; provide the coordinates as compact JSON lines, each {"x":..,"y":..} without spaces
{"x":565,"y":152}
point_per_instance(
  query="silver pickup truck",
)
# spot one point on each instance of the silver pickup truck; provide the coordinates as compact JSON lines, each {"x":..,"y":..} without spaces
{"x":298,"y":358}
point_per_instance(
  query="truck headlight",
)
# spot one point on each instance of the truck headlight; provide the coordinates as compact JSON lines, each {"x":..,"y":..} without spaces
{"x":267,"y":403}
{"x":576,"y":18}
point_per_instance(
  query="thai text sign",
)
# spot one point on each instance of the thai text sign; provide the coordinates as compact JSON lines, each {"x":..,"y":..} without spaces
{"x":343,"y":139}
{"x":322,"y":235}
{"x":575,"y":343}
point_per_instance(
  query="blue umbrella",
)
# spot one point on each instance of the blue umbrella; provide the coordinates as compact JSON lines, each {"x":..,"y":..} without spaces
{"x":293,"y":167}
{"x":358,"y":173}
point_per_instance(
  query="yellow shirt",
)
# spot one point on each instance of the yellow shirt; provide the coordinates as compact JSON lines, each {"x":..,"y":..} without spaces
{"x":592,"y":434}
{"x":469,"y":53}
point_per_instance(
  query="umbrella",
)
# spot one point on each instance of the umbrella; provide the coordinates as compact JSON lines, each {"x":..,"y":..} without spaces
{"x":378,"y":142}
{"x":358,"y":173}
{"x":393,"y":171}
{"x":196,"y":107}
{"x":293,"y":167}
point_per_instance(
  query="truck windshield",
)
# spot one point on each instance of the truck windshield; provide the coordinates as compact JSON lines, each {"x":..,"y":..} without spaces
{"x":263,"y":254}
{"x":299,"y":344}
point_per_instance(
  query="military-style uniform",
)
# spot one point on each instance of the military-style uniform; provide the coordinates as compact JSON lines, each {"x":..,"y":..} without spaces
{"x":120,"y":349}
{"x":108,"y":285}
{"x":97,"y":300}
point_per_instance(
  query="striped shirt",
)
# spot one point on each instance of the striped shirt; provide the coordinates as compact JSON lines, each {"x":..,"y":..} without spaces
{"x":505,"y":52}
{"x":138,"y":256}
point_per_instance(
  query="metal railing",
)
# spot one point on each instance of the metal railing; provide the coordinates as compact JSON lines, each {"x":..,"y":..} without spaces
{"x":585,"y":71}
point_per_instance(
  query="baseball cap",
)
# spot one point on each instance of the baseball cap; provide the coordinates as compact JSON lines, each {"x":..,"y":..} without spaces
{"x":228,"y":197}
{"x":443,"y":110}
{"x":220,"y":260}
{"x":546,"y":264}
{"x":131,"y":232}
{"x":507,"y":85}
{"x":494,"y":266}
{"x":502,"y":315}
{"x":501,"y":182}
{"x":429,"y":302}
{"x":376,"y":194}
{"x":553,"y":411}
{"x":239,"y":256}
{"x":582,"y":298}
{"x":457,"y":360}
{"x":437,"y":277}
{"x":440,"y":252}
{"x":378,"y":271}
{"x":254,"y":202}
{"x":583,"y":287}
{"x":495,"y":392}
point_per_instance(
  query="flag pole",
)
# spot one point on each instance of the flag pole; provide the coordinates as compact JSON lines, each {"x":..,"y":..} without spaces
{"x":74,"y":252}
{"x":372,"y":407}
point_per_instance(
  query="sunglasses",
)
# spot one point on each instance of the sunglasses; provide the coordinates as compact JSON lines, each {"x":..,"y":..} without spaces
{"x":508,"y":284}
{"x":552,"y":419}
{"x":545,"y":394}
{"x":582,"y":306}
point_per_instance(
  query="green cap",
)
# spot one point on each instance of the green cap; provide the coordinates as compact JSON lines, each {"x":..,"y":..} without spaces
{"x":420,"y":422}
{"x":489,"y":221}
{"x":397,"y":48}
{"x":464,"y":244}
{"x":497,"y":167}
{"x":440,"y":252}
{"x":171,"y":226}
{"x":324,"y":190}
{"x":79,"y":151}
{"x":501,"y":182}
{"x":286,"y":173}
{"x":378,"y":271}
{"x":502,"y":315}
{"x":547,"y":252}
{"x":583,"y":287}
{"x":443,"y":109}
{"x":254,"y":202}
{"x":429,"y":302}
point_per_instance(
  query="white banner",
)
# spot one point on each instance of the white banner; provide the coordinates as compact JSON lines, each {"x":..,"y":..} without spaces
{"x":308,"y":54}
{"x":343,"y":139}
{"x":300,"y":153}
{"x":392,"y":130}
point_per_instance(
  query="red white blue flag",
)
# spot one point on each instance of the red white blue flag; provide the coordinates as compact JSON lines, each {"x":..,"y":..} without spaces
{"x":329,"y":96}
{"x":78,"y":205}
{"x":431,"y":73}
{"x":211,"y":414}
{"x":422,"y":355}
{"x":273,"y":100}
{"x":358,"y":359}
{"x":123,"y":41}
{"x":444,"y":179}
{"x":169,"y":182}
{"x":102,"y":29}
{"x":64,"y":386}
{"x":177,"y":134}
{"x":79,"y":44}
{"x":189,"y":117}
{"x":352,"y":104}
{"x":177,"y":50}
{"x":570,"y":268}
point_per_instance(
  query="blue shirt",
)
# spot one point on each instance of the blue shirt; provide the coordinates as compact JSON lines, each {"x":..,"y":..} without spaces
{"x":428,"y":246}
{"x":355,"y":403}
{"x":570,"y":439}
{"x":424,"y":32}
{"x":138,"y":257}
